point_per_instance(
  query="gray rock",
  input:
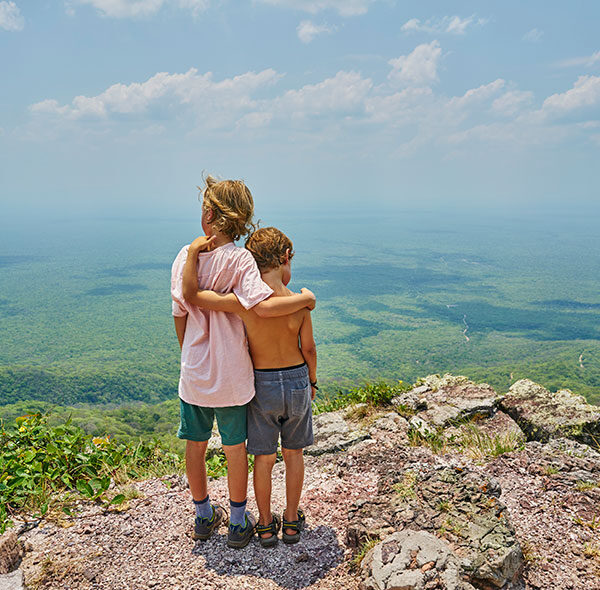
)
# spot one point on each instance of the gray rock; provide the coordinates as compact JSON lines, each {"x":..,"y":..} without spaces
{"x":421,"y":426}
{"x":412,"y":560}
{"x":457,"y":504}
{"x":499,"y":425}
{"x":412,"y":400}
{"x":543,"y":415}
{"x":10,"y":551}
{"x":451,"y":399}
{"x":12,"y":581}
{"x":332,"y":433}
{"x":391,"y":422}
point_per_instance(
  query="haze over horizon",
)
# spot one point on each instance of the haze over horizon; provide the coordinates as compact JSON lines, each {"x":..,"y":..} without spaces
{"x":118,"y":106}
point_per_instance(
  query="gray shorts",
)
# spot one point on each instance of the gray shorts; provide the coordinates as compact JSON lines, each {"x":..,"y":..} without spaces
{"x":282,"y":405}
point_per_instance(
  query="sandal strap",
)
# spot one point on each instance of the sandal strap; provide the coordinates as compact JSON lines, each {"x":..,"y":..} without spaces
{"x":295,"y":524}
{"x":272,"y":527}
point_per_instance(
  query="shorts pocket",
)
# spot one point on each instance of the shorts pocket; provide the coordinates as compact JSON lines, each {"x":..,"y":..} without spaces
{"x":300,"y":401}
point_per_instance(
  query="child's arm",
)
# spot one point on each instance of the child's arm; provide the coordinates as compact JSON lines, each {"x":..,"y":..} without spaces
{"x":308,"y":348}
{"x":278,"y":306}
{"x":180,"y":324}
{"x":204,"y":298}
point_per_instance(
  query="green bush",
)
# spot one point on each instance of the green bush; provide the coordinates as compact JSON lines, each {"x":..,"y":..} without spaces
{"x":46,"y":468}
{"x":375,"y":394}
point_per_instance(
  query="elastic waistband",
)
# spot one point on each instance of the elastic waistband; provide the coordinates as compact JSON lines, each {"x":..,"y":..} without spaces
{"x":295,"y":372}
{"x":281,"y":368}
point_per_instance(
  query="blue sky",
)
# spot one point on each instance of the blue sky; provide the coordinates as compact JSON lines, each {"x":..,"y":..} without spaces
{"x":115,"y":106}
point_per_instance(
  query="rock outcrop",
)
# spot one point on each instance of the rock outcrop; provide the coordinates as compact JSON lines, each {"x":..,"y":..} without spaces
{"x":544,"y":415}
{"x":418,"y":492}
{"x":425,"y":512}
{"x":333,"y":433}
{"x":441,"y":401}
{"x":412,"y":559}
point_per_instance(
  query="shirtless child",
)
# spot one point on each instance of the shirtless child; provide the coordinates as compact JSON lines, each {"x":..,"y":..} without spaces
{"x":284,"y":356}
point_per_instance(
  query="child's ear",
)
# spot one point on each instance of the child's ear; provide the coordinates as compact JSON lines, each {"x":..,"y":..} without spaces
{"x":286,"y":257}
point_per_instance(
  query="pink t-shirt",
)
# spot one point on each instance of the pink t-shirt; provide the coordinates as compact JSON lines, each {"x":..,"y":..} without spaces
{"x":216,"y":369}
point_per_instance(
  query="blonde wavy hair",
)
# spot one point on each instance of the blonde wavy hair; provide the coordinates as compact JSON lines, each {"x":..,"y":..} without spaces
{"x":232,"y":205}
{"x":268,"y":246}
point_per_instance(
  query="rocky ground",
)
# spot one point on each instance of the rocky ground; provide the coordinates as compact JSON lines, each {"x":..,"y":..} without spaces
{"x":438,"y":492}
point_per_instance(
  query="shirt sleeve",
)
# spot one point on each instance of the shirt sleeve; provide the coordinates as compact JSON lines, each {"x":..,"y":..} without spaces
{"x":179,"y":307}
{"x":249,"y":288}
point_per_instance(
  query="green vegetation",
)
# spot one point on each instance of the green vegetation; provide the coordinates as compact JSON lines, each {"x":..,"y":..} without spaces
{"x":375,"y":394}
{"x":363,"y":550}
{"x":407,"y":487}
{"x":86,"y":325}
{"x":46,"y":469}
{"x":481,"y":445}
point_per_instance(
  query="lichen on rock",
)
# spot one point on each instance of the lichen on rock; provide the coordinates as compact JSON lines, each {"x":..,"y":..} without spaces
{"x":544,"y":415}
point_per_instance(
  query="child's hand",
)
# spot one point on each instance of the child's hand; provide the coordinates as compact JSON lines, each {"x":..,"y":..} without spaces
{"x":312,"y":300}
{"x":202,"y":244}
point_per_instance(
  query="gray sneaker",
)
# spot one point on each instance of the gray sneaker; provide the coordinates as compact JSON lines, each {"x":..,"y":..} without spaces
{"x":239,"y":535}
{"x":204,"y":527}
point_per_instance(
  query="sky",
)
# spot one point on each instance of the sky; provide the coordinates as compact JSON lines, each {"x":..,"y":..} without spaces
{"x":118,"y":107}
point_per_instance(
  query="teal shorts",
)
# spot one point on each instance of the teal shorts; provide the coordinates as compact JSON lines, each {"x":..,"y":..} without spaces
{"x":197,"y":423}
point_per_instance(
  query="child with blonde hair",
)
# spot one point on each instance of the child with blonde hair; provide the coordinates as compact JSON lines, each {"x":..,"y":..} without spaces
{"x":217,"y":378}
{"x":284,"y":355}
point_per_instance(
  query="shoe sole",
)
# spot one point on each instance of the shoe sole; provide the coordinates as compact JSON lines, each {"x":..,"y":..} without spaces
{"x":207,"y":536}
{"x":268,"y":542}
{"x":290,"y":539}
{"x":239,"y":544}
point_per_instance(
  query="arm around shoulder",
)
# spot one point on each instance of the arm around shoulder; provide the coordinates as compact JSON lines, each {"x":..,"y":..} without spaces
{"x":204,"y":298}
{"x":276,"y":306}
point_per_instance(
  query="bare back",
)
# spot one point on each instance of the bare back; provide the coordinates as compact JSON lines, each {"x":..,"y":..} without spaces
{"x":274,"y":342}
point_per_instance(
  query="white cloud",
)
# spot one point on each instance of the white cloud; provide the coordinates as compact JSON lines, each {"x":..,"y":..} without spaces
{"x":140,"y":8}
{"x":215,"y":103}
{"x":10,"y":17}
{"x":585,"y":93}
{"x":401,"y":108}
{"x":448,"y":24}
{"x":533,"y":36}
{"x":342,"y":7}
{"x":418,"y":68}
{"x":343,"y":109}
{"x":477,"y":95}
{"x":585,"y":61}
{"x":343,"y":94}
{"x":307,"y":30}
{"x":512,"y":102}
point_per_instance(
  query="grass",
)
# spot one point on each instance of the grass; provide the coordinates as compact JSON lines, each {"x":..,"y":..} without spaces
{"x":480,"y":445}
{"x":551,"y":470}
{"x":529,"y":553}
{"x":407,"y":487}
{"x":445,"y":506}
{"x":583,"y":486}
{"x":435,"y":440}
{"x":593,"y":524}
{"x":451,"y":526}
{"x":592,"y":549}
{"x":363,"y":550}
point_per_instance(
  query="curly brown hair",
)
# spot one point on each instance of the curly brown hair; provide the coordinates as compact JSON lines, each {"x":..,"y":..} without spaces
{"x":232,"y":205}
{"x":268,"y":246}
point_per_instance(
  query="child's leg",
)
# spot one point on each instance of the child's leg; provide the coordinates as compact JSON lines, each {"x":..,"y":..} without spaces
{"x":195,"y":468}
{"x":294,"y":478}
{"x":263,"y":467}
{"x":237,"y":471}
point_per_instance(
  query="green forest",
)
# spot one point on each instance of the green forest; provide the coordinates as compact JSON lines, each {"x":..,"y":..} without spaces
{"x":88,"y":332}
